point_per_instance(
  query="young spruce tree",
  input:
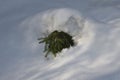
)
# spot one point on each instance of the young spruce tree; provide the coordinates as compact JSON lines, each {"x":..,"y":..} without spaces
{"x":56,"y":42}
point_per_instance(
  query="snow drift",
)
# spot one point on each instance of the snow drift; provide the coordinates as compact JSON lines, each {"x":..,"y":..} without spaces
{"x":94,"y":24}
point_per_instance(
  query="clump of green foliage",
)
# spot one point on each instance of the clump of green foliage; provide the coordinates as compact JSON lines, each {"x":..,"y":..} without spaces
{"x":56,"y":42}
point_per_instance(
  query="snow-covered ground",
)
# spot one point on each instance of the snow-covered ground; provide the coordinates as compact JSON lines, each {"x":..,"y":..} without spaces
{"x":94,"y":24}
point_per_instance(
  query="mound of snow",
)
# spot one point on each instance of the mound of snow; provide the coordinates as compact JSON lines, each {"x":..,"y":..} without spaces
{"x":67,"y":20}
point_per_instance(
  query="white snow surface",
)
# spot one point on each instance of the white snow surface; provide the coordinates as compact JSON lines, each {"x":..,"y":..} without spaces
{"x":94,"y":25}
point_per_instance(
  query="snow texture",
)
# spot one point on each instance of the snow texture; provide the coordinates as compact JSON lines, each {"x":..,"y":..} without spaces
{"x":94,"y":25}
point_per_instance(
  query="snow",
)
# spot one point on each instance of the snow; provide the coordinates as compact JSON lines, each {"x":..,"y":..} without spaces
{"x":94,"y":25}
